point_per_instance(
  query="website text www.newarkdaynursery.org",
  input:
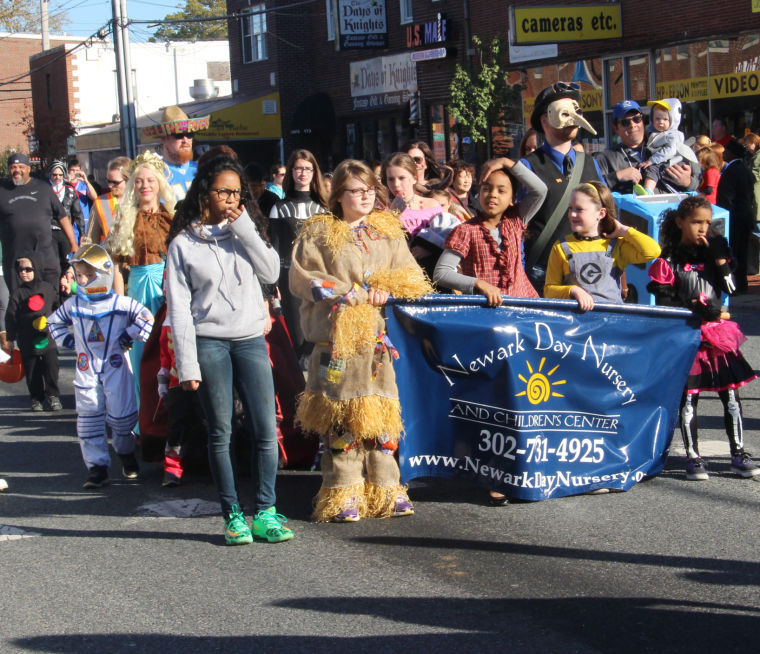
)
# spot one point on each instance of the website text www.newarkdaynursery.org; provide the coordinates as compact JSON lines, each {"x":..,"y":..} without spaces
{"x":529,"y":479}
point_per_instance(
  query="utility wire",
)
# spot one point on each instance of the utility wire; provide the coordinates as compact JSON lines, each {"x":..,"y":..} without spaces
{"x":86,"y":43}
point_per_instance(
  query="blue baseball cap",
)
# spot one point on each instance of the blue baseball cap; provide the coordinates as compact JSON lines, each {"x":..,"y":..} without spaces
{"x":18,"y":158}
{"x":625,"y":107}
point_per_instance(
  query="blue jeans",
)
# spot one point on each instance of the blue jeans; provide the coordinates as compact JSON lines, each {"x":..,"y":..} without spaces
{"x":245,"y":364}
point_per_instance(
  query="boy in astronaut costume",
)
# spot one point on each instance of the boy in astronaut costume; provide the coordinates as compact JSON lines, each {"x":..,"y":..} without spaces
{"x":104,"y":325}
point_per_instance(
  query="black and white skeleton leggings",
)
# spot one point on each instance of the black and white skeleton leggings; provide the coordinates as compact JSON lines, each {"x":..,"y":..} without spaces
{"x":732,"y":418}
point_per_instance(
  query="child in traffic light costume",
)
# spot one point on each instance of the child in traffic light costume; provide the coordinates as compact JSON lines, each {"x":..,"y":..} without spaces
{"x":26,"y":323}
{"x":104,"y":325}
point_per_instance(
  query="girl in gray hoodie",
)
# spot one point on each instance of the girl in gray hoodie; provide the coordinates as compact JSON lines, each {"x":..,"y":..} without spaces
{"x":218,"y":257}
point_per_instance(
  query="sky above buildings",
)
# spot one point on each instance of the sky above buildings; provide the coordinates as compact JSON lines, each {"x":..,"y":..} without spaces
{"x":87,"y":16}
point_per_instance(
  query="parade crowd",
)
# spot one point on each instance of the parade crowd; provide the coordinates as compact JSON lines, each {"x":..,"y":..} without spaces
{"x":199,"y":292}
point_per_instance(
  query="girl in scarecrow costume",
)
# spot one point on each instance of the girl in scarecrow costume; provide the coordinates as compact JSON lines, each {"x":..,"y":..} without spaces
{"x":345,"y":265}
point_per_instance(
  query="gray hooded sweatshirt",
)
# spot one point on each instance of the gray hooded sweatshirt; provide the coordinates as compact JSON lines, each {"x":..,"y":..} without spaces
{"x":213,"y":287}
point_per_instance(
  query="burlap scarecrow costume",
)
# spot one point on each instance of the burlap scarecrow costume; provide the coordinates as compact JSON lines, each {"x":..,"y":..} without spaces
{"x":351,"y":399}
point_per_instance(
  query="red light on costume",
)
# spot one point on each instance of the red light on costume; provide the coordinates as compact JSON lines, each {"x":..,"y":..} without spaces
{"x":36,"y":302}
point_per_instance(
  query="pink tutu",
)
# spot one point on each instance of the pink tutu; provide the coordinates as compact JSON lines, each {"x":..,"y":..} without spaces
{"x":719,"y":365}
{"x":723,"y":335}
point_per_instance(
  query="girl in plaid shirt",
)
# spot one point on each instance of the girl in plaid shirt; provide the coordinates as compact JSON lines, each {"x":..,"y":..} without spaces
{"x":488,"y":248}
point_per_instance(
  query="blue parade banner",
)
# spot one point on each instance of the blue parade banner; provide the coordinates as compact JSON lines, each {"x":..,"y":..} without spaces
{"x":535,"y":399}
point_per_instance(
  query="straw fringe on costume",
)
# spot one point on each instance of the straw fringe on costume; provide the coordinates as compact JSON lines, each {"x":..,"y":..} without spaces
{"x":405,"y":283}
{"x":381,"y":500}
{"x":366,"y":417}
{"x":354,"y":329}
{"x":329,"y":502}
{"x":333,"y":233}
{"x":372,"y":501}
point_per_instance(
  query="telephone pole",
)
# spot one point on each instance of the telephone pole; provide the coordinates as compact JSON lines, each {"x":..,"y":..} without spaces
{"x":124,"y":76}
{"x":45,"y":26}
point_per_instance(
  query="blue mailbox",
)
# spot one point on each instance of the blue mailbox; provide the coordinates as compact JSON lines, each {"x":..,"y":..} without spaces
{"x":645,"y":214}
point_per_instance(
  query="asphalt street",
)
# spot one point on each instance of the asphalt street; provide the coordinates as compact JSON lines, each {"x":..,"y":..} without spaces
{"x":669,"y":566}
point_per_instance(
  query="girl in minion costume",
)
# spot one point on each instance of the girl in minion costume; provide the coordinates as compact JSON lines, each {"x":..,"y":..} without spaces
{"x":104,"y":325}
{"x":345,"y":265}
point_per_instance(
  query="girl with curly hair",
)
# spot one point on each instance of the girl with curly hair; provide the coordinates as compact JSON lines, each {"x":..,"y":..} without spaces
{"x":693,"y":272}
{"x":218,"y":257}
{"x":137,"y":240}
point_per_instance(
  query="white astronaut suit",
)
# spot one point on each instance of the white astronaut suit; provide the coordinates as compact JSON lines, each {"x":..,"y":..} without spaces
{"x":103,"y":325}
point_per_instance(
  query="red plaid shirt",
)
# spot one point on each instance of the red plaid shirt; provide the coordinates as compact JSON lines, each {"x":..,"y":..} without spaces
{"x":482,"y":258}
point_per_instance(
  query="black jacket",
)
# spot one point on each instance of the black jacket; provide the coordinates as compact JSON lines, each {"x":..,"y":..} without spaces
{"x":20,"y":317}
{"x":73,"y":209}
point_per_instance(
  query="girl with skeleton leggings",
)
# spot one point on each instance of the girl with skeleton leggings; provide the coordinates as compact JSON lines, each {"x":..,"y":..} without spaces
{"x":692,"y":273}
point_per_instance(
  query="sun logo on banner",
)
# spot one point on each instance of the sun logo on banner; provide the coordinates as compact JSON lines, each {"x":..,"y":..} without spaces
{"x":538,"y":387}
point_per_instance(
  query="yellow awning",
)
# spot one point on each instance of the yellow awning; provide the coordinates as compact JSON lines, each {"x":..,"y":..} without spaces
{"x":232,"y":119}
{"x":246,"y":120}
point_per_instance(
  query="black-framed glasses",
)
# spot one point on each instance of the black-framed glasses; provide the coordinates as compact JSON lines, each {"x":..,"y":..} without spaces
{"x":183,"y":135}
{"x":226,"y":193}
{"x":302,"y":169}
{"x":26,"y":269}
{"x":114,"y":182}
{"x":626,"y":122}
{"x":361,"y":192}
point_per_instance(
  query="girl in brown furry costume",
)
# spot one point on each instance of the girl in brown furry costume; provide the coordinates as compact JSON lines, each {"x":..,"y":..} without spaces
{"x":345,"y":266}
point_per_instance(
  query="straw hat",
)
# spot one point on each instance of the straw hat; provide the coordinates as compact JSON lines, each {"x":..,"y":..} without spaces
{"x":175,"y":121}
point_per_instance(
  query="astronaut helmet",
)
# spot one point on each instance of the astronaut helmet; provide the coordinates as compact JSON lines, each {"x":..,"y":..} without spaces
{"x":99,"y":260}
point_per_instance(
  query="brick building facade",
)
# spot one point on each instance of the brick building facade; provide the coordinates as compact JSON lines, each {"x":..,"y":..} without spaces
{"x":16,"y":87}
{"x":657,"y":49}
{"x":55,"y":110}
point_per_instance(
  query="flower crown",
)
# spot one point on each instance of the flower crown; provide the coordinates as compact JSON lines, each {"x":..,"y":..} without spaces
{"x":148,"y":158}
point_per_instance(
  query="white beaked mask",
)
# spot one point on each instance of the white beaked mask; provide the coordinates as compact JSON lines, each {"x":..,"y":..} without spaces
{"x":566,"y":113}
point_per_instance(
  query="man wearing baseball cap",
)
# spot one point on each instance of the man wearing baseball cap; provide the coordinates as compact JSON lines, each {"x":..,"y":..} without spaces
{"x":620,"y":163}
{"x":27,"y":207}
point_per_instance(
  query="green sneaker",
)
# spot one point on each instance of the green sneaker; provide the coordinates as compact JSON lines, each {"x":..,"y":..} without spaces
{"x":267,"y":525}
{"x":236,"y":531}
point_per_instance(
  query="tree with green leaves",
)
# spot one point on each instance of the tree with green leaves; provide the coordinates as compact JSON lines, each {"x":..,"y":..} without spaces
{"x":24,"y":16}
{"x":483,"y":99}
{"x":212,"y":30}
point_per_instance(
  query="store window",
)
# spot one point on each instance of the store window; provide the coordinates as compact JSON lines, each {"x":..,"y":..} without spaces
{"x":627,"y":78}
{"x":714,"y":79}
{"x":588,"y":75}
{"x":254,"y":30}
{"x":406,"y":12}
{"x":330,"y":20}
{"x":437,"y":127}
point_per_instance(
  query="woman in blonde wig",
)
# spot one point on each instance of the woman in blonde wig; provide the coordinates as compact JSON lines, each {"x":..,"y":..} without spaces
{"x":345,"y":266}
{"x":138,"y":239}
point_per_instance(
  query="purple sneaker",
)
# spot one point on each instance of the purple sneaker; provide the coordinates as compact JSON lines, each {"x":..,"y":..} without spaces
{"x":696,"y":470}
{"x":403,"y":506}
{"x":349,"y":513}
{"x":743,"y":465}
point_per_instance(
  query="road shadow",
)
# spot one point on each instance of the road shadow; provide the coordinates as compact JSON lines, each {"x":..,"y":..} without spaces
{"x":744,"y":573}
{"x":568,"y":625}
